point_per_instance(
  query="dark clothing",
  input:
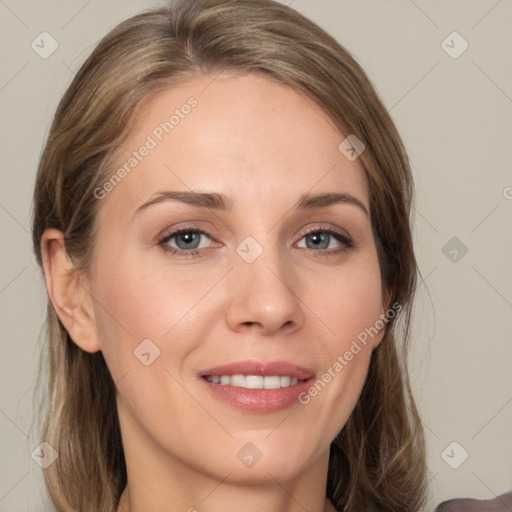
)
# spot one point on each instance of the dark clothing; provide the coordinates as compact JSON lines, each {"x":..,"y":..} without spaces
{"x":501,"y":503}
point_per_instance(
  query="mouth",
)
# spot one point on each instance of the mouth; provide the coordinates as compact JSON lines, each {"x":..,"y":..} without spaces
{"x":261,"y":387}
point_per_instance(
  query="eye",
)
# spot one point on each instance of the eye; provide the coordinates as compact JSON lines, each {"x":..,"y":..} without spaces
{"x":318,"y":240}
{"x":187,"y":241}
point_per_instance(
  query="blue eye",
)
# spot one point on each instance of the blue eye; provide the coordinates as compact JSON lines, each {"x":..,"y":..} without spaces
{"x":322,"y":238}
{"x":187,"y":242}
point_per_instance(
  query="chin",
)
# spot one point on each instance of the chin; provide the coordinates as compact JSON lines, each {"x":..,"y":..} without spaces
{"x":261,"y":463}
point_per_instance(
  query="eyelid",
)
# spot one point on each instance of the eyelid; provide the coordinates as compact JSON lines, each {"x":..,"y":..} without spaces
{"x":327,"y":228}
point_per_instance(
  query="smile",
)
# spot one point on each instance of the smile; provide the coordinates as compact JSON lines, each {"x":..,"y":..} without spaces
{"x":257,"y":386}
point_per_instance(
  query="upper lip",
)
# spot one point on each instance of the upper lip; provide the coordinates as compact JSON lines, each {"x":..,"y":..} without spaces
{"x":265,"y":369}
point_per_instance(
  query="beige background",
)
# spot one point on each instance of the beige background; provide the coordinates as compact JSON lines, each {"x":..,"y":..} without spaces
{"x":455,"y":116}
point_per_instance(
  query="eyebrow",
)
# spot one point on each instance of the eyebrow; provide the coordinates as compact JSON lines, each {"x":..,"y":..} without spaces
{"x":221,"y":202}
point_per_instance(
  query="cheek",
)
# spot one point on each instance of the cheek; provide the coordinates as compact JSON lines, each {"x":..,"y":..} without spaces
{"x":149,"y":322}
{"x":350,"y":307}
{"x":348,"y":299}
{"x":136,"y":304}
{"x":138,"y":315}
{"x":127,"y":319}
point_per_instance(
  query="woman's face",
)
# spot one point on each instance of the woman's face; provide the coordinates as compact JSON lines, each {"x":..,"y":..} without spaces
{"x":278,"y":285}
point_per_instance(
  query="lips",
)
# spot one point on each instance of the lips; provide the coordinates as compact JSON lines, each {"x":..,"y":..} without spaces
{"x":240,"y":384}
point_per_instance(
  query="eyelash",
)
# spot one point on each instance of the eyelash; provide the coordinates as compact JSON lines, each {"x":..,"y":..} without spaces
{"x":345,"y":240}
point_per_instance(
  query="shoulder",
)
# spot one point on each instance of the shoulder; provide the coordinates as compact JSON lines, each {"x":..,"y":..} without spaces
{"x":502,"y":503}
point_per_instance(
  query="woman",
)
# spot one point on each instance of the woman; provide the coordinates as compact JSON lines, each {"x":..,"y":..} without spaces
{"x":222,"y":218}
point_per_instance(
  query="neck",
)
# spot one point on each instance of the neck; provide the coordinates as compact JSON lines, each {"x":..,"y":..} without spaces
{"x":125,"y":504}
{"x":163,"y":484}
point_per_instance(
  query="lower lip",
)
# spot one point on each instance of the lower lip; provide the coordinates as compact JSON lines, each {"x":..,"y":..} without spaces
{"x":258,"y":400}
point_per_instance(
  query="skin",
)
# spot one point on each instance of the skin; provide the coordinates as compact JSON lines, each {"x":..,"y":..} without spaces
{"x":264,"y":145}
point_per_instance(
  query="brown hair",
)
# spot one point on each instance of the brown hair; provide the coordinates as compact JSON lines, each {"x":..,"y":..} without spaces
{"x":377,"y":461}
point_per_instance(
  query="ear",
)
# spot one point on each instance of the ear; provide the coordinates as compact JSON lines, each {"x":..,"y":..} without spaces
{"x":68,"y":290}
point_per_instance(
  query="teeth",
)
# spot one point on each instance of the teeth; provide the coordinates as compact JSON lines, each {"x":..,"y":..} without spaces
{"x":254,"y":381}
{"x":272,"y":383}
{"x":251,"y":381}
{"x":284,"y":381}
{"x":238,"y":381}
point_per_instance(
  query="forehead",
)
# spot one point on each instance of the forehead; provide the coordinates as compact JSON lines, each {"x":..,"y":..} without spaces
{"x":246,"y":136}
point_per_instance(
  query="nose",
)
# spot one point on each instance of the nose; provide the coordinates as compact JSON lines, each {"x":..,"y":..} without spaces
{"x":265,"y":296}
